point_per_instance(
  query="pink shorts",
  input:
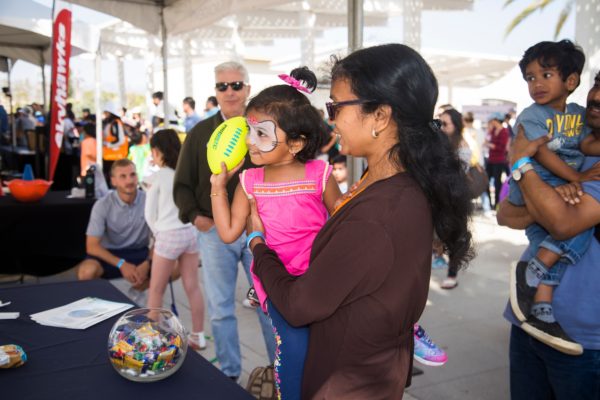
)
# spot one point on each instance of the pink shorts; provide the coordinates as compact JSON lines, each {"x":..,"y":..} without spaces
{"x":171,"y":244}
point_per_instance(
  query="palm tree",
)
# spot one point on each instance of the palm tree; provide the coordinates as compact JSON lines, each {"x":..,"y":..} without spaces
{"x":539,"y":5}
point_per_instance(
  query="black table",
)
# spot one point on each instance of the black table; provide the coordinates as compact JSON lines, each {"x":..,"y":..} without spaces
{"x":45,"y":237}
{"x":73,"y":364}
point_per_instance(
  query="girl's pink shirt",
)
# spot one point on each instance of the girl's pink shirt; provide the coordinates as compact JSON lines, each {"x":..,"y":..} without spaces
{"x":292,"y":213}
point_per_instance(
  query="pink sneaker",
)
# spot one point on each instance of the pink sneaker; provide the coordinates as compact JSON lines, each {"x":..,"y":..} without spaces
{"x":426,"y":352}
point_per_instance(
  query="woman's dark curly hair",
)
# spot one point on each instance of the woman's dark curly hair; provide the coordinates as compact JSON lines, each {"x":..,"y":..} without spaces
{"x":168,"y":143}
{"x":396,"y":75}
{"x":293,"y":112}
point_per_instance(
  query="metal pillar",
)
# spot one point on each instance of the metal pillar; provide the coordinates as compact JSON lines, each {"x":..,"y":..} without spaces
{"x":355,"y":42}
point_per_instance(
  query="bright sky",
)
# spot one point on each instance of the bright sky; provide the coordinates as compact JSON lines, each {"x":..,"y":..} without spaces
{"x":480,"y":30}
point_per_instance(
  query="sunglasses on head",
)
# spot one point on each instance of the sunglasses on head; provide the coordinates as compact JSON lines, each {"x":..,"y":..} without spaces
{"x":332,"y":107}
{"x":222,"y":86}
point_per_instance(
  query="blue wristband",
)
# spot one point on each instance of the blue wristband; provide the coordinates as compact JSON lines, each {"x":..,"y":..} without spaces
{"x":120,"y":263}
{"x":520,"y":162}
{"x":253,"y":235}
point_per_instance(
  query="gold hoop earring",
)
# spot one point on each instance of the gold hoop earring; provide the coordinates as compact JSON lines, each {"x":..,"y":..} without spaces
{"x":374,"y":133}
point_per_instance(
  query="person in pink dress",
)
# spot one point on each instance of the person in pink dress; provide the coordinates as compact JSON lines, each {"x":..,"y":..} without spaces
{"x":294,"y":196}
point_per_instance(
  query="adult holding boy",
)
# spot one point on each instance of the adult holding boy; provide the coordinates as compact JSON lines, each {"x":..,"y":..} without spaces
{"x":537,"y":371}
{"x":552,"y":72}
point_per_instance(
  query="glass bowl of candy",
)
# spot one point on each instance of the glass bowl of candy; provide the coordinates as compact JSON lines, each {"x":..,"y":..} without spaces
{"x":147,"y":344}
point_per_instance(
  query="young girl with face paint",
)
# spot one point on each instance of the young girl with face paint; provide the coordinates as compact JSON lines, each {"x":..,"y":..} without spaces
{"x":294,"y":196}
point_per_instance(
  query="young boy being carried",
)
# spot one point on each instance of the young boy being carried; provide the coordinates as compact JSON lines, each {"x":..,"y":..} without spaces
{"x":552,"y":71}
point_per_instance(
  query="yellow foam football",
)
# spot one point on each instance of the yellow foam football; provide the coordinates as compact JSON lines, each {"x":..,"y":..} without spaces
{"x":227,"y":144}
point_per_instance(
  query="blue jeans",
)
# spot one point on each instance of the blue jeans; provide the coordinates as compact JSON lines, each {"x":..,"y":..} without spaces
{"x":538,"y":372}
{"x":291,"y":353}
{"x":220,"y":269}
{"x":571,"y":249}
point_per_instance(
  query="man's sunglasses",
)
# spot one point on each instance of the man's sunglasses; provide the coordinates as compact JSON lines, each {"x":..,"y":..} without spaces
{"x":222,"y":86}
{"x":332,"y":107}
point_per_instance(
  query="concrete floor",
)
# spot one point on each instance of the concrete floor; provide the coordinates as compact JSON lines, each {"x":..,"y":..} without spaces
{"x":466,"y":321}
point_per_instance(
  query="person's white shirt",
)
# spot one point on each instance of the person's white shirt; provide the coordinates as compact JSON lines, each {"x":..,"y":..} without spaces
{"x":160,"y":212}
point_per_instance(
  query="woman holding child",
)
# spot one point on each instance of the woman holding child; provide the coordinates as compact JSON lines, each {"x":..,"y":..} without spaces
{"x":370,"y":264}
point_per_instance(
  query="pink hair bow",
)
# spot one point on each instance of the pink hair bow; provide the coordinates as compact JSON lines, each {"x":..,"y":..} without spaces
{"x":293,"y":82}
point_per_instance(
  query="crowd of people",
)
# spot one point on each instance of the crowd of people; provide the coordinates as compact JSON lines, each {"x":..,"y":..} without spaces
{"x":338,"y":270}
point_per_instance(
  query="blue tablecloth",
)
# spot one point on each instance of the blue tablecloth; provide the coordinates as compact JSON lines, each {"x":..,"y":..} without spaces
{"x":73,"y":364}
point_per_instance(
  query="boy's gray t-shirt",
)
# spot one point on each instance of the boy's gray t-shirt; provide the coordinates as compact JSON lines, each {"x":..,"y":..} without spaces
{"x":120,"y":225}
{"x":566,"y":129}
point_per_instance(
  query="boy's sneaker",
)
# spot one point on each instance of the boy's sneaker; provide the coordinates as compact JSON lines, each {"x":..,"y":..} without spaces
{"x":552,"y":335}
{"x":521,"y":294}
{"x":439,"y":263}
{"x":426,"y":352}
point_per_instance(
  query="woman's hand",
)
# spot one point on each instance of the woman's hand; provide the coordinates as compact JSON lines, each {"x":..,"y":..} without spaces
{"x":219,"y":181}
{"x":570,"y":192}
{"x":254,"y":223}
{"x":522,"y":147}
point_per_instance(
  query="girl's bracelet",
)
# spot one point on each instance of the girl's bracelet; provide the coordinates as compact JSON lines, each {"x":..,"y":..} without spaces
{"x":216,"y":194}
{"x":254,"y":235}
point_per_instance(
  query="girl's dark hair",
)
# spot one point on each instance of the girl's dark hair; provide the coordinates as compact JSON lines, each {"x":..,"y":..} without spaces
{"x":457,"y":121}
{"x":167,"y":141}
{"x":397,"y":76}
{"x":293,"y":112}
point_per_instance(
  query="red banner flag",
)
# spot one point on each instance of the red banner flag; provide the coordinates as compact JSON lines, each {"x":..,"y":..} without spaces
{"x":61,"y":53}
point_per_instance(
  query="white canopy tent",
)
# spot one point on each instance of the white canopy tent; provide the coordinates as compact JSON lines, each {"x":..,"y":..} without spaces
{"x":171,"y":17}
{"x":26,"y":34}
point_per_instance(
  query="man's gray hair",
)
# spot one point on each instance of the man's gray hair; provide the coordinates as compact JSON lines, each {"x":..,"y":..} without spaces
{"x":233,"y":66}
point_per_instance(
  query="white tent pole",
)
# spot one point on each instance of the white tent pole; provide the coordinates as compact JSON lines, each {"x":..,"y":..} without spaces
{"x":307,"y":40}
{"x":188,"y":71}
{"x":164,"y":51}
{"x":99,"y":136}
{"x":121,"y":78}
{"x":355,"y":42}
{"x":42,"y":64}
{"x":411,"y":22}
{"x":12,"y":114}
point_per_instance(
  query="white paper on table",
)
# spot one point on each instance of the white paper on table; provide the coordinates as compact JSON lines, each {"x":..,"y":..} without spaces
{"x":9,"y":315}
{"x":80,"y":314}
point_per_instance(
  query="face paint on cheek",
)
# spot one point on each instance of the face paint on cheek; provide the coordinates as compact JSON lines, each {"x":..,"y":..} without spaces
{"x":262,"y":134}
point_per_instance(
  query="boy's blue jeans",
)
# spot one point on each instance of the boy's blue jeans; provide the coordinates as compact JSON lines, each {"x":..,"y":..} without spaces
{"x":570,"y":250}
{"x":538,"y":372}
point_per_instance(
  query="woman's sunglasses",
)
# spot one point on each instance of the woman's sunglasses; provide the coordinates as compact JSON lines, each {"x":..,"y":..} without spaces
{"x":222,"y":86}
{"x":332,"y":107}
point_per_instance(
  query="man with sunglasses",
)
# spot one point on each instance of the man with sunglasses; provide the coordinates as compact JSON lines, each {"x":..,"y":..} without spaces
{"x":191,"y":191}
